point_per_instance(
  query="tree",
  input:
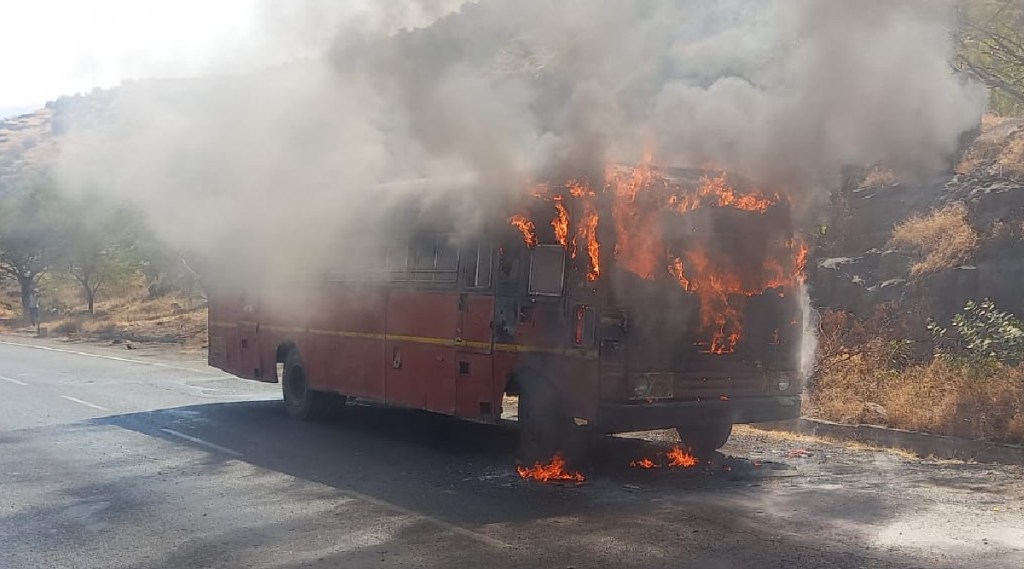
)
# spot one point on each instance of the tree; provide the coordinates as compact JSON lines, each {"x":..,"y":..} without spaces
{"x":100,"y":245}
{"x":30,"y":227}
{"x":991,"y":38}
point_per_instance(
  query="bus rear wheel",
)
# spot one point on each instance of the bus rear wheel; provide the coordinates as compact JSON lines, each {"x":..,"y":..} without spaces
{"x":300,"y":400}
{"x":705,"y":438}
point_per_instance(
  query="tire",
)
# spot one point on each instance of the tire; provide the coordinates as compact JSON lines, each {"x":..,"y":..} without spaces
{"x":302,"y":402}
{"x":545,"y":429}
{"x":706,"y":438}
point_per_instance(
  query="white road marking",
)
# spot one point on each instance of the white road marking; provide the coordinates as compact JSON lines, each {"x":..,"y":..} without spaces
{"x":12,"y":380}
{"x":104,"y":357}
{"x":86,"y":403}
{"x":201,"y":442}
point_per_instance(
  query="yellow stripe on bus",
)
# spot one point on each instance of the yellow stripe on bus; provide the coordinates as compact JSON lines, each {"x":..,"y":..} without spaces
{"x":446,"y":342}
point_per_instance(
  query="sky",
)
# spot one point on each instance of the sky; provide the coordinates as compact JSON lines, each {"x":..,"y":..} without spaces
{"x":50,"y":48}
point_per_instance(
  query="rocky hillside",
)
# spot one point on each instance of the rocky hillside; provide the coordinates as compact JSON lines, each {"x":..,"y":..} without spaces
{"x":27,"y":143}
{"x":955,"y":237}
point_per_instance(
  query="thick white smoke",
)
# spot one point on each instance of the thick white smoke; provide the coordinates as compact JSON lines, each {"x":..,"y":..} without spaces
{"x":503,"y":90}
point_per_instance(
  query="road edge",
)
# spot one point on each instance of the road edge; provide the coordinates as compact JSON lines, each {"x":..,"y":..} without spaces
{"x":144,"y":357}
{"x":923,"y":444}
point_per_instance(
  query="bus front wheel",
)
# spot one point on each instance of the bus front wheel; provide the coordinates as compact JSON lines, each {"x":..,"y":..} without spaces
{"x":300,"y":400}
{"x":705,"y":438}
{"x":545,"y":429}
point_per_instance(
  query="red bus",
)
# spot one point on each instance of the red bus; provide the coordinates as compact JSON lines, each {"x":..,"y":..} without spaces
{"x":663,"y":299}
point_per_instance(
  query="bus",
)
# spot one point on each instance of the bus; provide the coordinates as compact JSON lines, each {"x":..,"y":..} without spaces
{"x":656,"y":299}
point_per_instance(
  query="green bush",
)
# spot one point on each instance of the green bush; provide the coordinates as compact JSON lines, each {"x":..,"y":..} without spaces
{"x":982,"y":332}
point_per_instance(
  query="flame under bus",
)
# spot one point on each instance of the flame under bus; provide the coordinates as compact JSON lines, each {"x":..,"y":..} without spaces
{"x":650,"y":300}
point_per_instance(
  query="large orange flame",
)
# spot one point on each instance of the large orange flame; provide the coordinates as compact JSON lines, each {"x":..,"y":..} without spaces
{"x":639,"y":199}
{"x":637,"y":248}
{"x":554,"y":471}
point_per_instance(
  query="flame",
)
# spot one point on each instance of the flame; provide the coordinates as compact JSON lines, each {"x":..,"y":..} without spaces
{"x":587,"y":230}
{"x":554,"y":471}
{"x":640,"y":200}
{"x":637,"y":248}
{"x":679,"y":458}
{"x":588,"y":233}
{"x":721,"y":194}
{"x":644,"y":463}
{"x":679,"y":272}
{"x":715,"y":286}
{"x":528,"y":229}
{"x":561,"y":225}
{"x":800,"y":263}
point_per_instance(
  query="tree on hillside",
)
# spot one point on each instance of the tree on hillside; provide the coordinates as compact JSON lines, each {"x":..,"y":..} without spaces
{"x":100,"y":245}
{"x":991,"y":38}
{"x":30,"y":232}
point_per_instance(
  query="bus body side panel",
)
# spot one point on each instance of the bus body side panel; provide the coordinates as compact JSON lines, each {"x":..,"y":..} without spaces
{"x":474,"y":358}
{"x":420,"y":350}
{"x":347,"y":339}
{"x":223,"y":330}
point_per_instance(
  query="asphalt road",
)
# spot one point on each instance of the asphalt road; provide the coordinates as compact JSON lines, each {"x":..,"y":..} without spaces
{"x":156,"y":463}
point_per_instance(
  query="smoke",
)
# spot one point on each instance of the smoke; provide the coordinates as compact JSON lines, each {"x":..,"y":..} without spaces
{"x":483,"y":97}
{"x":809,"y":337}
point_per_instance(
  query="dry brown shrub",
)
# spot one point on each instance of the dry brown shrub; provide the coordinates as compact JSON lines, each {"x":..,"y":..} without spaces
{"x":1011,"y":160}
{"x":868,"y":373}
{"x":943,"y":239}
{"x":968,"y":400}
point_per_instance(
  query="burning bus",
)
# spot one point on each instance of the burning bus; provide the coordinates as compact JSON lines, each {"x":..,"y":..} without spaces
{"x":650,"y":299}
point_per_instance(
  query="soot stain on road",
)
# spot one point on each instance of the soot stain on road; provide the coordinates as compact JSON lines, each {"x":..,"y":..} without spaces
{"x":438,"y":465}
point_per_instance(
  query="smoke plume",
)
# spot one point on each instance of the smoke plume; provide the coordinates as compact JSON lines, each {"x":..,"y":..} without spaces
{"x":483,"y":97}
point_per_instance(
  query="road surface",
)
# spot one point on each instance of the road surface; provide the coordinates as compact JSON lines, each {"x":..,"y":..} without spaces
{"x":106,"y":462}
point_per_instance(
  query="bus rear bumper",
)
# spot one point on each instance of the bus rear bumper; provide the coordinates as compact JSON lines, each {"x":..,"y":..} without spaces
{"x":614,"y":418}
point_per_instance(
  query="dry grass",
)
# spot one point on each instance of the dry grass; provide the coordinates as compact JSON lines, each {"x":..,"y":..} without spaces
{"x":999,"y":150}
{"x":870,"y":374}
{"x":962,"y":400}
{"x":879,"y":177}
{"x":792,"y":437}
{"x":1011,"y":159}
{"x":123,"y":313}
{"x":942,"y":240}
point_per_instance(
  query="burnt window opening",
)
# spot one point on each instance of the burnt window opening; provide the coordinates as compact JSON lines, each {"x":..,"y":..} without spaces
{"x":547,"y":270}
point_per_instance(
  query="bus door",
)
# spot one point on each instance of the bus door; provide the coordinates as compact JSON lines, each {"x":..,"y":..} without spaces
{"x":421,"y":314}
{"x":248,"y":341}
{"x":474,"y":333}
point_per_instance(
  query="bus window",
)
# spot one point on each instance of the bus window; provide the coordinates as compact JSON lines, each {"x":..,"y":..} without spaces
{"x":446,"y":262}
{"x":547,"y":270}
{"x":397,"y":261}
{"x":477,"y":268}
